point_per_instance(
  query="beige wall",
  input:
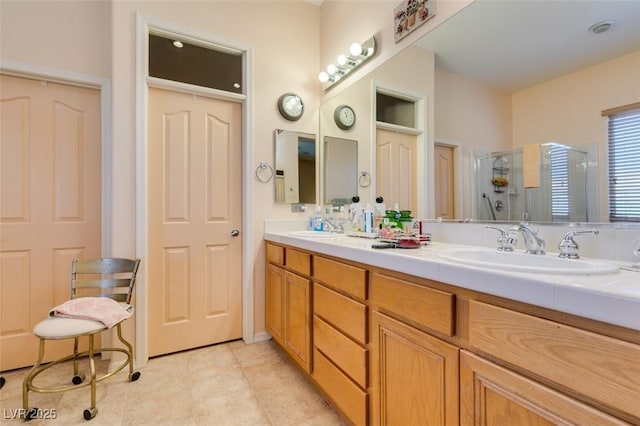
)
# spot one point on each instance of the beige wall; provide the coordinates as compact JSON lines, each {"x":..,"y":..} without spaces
{"x":475,"y":115}
{"x":64,"y":35}
{"x":568,"y":110}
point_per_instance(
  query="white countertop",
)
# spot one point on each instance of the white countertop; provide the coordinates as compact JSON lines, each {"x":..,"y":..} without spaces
{"x":611,"y":298}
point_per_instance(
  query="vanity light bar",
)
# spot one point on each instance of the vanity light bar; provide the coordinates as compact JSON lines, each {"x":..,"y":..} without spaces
{"x":358,"y":55}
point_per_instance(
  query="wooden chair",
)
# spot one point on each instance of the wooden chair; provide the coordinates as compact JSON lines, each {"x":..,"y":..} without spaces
{"x":105,"y":277}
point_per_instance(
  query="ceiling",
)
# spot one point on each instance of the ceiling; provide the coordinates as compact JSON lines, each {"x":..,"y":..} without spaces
{"x":514,"y":44}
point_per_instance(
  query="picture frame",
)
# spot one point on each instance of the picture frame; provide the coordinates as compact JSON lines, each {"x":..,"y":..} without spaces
{"x":410,"y":14}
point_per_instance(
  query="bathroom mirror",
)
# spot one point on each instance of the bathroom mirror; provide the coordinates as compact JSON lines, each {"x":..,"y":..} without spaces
{"x":295,"y":167}
{"x":340,"y":170}
{"x":495,"y":80}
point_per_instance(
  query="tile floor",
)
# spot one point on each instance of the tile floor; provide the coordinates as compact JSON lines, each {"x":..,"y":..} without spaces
{"x":226,"y":384}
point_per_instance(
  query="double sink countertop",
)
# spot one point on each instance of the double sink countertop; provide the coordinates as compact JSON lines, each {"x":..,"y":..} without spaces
{"x":612,"y":298}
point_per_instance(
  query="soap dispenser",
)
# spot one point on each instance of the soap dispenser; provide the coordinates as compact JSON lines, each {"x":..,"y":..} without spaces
{"x":316,"y":220}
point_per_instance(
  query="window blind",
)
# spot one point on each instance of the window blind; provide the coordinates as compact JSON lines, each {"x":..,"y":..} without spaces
{"x":559,"y":160}
{"x":624,"y":165}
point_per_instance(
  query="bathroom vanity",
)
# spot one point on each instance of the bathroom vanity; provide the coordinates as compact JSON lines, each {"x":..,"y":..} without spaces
{"x":408,"y":337}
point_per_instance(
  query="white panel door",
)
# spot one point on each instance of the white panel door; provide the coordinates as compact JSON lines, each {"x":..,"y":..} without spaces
{"x":396,"y":174}
{"x":195,"y":204}
{"x":50,"y":204}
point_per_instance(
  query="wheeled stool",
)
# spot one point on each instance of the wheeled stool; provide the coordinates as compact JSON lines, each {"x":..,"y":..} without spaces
{"x":105,"y":277}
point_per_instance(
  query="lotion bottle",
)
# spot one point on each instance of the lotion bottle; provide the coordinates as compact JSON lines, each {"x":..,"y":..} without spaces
{"x":368,"y":219}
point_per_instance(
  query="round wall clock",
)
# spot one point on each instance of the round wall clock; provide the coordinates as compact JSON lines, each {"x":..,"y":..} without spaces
{"x":290,"y":106}
{"x":345,"y":117}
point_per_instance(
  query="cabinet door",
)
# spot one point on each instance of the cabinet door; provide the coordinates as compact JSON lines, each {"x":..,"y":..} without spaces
{"x":493,"y":395}
{"x":414,"y":376}
{"x":274,"y":297}
{"x":297,"y":331}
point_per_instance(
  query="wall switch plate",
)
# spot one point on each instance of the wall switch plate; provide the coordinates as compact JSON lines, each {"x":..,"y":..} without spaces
{"x":298,"y":208}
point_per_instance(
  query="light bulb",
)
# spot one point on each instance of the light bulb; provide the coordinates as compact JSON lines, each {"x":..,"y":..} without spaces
{"x":331,"y":69}
{"x":342,"y":59}
{"x":178,"y":44}
{"x":323,"y":77}
{"x":355,"y":49}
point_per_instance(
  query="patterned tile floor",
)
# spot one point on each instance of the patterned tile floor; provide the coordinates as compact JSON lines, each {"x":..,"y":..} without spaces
{"x":226,"y":384}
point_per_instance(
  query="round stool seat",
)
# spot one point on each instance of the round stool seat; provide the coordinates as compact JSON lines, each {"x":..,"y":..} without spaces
{"x":64,"y":328}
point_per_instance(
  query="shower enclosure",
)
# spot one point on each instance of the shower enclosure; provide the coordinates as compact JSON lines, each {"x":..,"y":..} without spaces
{"x":563,"y":195}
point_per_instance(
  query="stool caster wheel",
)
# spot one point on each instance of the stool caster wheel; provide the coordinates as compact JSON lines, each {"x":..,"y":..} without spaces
{"x":90,"y":413}
{"x":30,"y":414}
{"x":134,"y":376}
{"x":77,"y":379}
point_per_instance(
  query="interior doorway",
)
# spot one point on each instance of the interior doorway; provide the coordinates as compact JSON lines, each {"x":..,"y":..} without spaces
{"x":396,"y":168}
{"x":207,"y":282}
{"x":195,"y":213}
{"x":444,"y":182}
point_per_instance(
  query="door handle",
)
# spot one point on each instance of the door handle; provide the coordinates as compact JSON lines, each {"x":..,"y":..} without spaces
{"x":235,"y":232}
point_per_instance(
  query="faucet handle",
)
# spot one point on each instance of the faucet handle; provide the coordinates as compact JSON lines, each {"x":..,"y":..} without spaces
{"x":568,"y":246}
{"x":506,"y":241}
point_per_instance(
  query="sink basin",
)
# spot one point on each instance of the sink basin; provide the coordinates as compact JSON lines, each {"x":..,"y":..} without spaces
{"x":523,"y":262}
{"x":314,"y":234}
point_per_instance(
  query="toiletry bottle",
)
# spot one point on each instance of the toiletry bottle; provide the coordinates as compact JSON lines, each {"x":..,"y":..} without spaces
{"x":368,"y":219}
{"x":318,"y":225}
{"x":378,"y":213}
{"x":355,"y":215}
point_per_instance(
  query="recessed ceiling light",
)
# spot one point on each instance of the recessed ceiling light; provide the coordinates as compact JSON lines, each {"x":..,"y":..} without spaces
{"x":601,"y":27}
{"x":178,"y":44}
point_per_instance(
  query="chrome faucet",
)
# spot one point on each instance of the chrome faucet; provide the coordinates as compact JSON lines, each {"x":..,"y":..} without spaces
{"x":332,"y":227}
{"x":534,"y":244}
{"x":507,"y":240}
{"x":568,"y":246}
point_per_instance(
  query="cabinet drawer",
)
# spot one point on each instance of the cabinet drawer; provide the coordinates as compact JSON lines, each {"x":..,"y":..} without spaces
{"x":599,"y":367}
{"x":347,"y":278}
{"x":344,"y":352}
{"x":298,"y":261}
{"x":346,"y":314}
{"x":347,"y":396}
{"x":423,"y":305}
{"x":275,"y":254}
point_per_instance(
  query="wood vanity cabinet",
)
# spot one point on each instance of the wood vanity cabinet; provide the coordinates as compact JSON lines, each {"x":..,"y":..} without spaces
{"x":414,"y":375}
{"x":288,"y":302}
{"x":603,"y":370}
{"x":392,"y":349}
{"x":340,"y":352}
{"x":494,"y":395}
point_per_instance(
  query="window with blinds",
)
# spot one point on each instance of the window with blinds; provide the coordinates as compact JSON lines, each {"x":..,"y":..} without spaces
{"x":559,"y":160}
{"x":624,"y":164}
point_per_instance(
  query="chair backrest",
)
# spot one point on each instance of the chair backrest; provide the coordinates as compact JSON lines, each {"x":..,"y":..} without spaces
{"x":105,"y":277}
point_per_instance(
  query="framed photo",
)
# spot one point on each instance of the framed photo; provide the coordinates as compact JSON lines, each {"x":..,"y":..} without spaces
{"x":410,"y":14}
